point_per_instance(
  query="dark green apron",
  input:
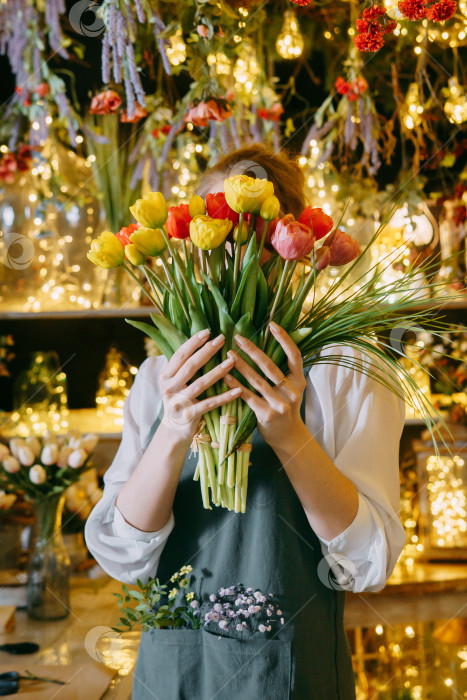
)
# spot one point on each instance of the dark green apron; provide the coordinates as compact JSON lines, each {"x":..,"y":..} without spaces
{"x":271,"y":548}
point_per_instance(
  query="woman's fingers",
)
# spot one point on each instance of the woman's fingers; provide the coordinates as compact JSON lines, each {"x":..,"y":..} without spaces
{"x":290,"y":348}
{"x":196,"y":361}
{"x":185,"y":351}
{"x":206,"y":405}
{"x":270,"y":369}
{"x":208,"y":379}
{"x":256,"y":403}
{"x":256,"y":381}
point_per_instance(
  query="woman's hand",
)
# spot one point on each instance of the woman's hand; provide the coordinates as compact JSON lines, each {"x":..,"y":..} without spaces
{"x":277,"y":407}
{"x":182,"y":411}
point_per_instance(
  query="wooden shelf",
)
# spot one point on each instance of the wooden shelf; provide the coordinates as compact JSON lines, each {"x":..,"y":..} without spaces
{"x":132,"y":312}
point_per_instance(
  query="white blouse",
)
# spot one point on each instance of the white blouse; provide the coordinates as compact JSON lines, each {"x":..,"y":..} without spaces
{"x":355,"y":419}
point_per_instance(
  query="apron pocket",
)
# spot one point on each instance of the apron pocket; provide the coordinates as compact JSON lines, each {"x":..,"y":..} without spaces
{"x":198,"y":665}
{"x":169,"y":665}
{"x":245,"y":669}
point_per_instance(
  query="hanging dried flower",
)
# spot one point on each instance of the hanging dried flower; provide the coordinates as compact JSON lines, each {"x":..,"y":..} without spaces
{"x":413,"y":9}
{"x":369,"y":41}
{"x":442,"y":10}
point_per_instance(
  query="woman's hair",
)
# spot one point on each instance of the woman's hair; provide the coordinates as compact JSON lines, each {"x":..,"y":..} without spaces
{"x":258,"y":161}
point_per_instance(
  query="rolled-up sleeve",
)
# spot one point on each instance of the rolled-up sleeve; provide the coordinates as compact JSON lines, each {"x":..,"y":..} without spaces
{"x":122,"y":550}
{"x":360,"y":424}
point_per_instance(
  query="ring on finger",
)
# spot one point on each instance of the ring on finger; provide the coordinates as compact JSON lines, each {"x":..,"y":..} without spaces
{"x":281,"y":381}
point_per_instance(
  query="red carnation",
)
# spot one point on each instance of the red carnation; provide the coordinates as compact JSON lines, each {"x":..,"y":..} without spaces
{"x":302,"y":3}
{"x":373,"y":12}
{"x":362,"y":26}
{"x":369,"y":41}
{"x":162,"y":130}
{"x":442,"y":10}
{"x":413,"y":9}
{"x":342,"y":86}
{"x":124,"y":234}
{"x":317,"y":220}
{"x":178,"y":221}
{"x":389,"y":27}
{"x":217,"y":208}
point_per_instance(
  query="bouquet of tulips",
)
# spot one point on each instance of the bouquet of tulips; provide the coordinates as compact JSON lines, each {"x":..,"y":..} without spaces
{"x":41,"y":467}
{"x":211,"y":274}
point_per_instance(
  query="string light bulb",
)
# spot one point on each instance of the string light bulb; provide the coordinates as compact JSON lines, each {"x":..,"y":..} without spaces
{"x":456,"y":104}
{"x":246,"y":68}
{"x":392,"y":9}
{"x":220,"y":63}
{"x":290,"y":43}
{"x":176,"y":52}
{"x":413,"y":109}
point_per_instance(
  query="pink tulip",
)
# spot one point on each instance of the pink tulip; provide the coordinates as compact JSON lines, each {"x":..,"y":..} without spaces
{"x":291,"y":239}
{"x":343,"y":248}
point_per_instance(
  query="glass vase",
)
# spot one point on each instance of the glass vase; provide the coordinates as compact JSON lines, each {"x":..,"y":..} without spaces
{"x":48,"y":586}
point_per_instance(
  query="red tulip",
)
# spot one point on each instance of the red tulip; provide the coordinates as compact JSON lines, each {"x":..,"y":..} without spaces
{"x":124,"y":234}
{"x":319,"y":222}
{"x":178,"y":221}
{"x":322,"y":258}
{"x":292,"y":239}
{"x":217,"y":208}
{"x":343,"y":248}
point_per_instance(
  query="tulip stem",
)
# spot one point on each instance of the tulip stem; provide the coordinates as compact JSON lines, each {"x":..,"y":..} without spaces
{"x":185,"y":251}
{"x":178,"y":263}
{"x":132,"y":274}
{"x":267,"y":223}
{"x":252,"y":227}
{"x":238,"y":252}
{"x":279,"y":291}
{"x":178,"y":293}
{"x":152,"y":284}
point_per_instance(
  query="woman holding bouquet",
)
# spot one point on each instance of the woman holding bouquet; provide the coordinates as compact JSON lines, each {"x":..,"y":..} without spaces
{"x":322,"y":513}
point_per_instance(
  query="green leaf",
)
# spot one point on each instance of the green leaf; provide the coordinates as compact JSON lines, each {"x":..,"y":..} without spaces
{"x":261,"y":306}
{"x":172,"y":335}
{"x":246,"y":293}
{"x":198,"y":320}
{"x":244,"y":430}
{"x":154,"y":334}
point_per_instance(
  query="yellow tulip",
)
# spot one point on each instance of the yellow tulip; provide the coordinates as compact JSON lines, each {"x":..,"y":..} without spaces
{"x":207,"y":233}
{"x":196,"y":206}
{"x":149,"y":241}
{"x":151,"y":210}
{"x":106,"y":251}
{"x":135,"y":256}
{"x":247,"y":194}
{"x":270,"y":208}
{"x":244,"y":232}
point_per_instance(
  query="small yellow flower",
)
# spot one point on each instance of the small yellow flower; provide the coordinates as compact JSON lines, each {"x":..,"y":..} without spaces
{"x":106,"y":251}
{"x":244,"y":234}
{"x":173,"y":593}
{"x":196,"y":206}
{"x":270,"y":208}
{"x":183,"y":583}
{"x":207,"y":233}
{"x":247,"y":194}
{"x":149,"y":241}
{"x":186,"y":569}
{"x":189,"y":596}
{"x":134,"y":255}
{"x":175,"y":577}
{"x":151,"y":210}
